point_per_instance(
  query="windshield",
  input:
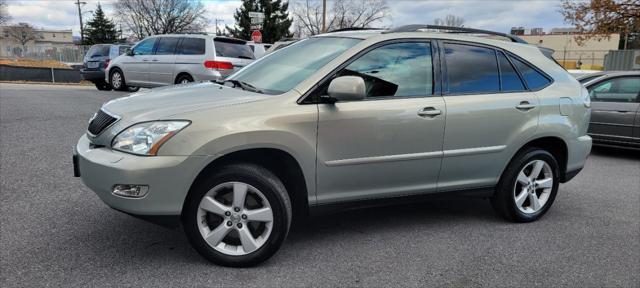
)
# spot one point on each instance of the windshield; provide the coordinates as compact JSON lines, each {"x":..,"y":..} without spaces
{"x":282,"y":70}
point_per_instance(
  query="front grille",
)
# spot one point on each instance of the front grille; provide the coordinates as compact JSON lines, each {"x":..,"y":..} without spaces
{"x":100,"y":122}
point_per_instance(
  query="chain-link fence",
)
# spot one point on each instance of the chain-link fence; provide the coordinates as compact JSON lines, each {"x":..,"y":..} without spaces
{"x":66,"y":53}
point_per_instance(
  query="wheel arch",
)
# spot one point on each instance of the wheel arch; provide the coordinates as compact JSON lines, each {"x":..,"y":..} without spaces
{"x":180,"y":74}
{"x":553,"y":144}
{"x":278,"y":161}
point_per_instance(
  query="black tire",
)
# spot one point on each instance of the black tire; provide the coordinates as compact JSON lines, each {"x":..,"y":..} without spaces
{"x":260,"y":178}
{"x":118,"y":85}
{"x":503,"y":201}
{"x":183,"y":79}
{"x":102,"y":86}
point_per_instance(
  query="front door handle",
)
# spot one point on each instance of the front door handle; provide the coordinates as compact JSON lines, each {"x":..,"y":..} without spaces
{"x":525,"y":106}
{"x":429,"y":112}
{"x":154,"y":60}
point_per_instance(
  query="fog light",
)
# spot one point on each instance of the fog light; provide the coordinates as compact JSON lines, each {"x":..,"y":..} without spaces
{"x":130,"y":191}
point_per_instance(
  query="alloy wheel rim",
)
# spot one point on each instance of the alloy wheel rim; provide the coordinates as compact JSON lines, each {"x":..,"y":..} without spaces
{"x":235,"y":218}
{"x":116,"y":80}
{"x":533,"y":186}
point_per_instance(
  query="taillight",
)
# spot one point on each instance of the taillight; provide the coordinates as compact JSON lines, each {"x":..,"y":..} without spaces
{"x":106,"y":63}
{"x":218,"y":65}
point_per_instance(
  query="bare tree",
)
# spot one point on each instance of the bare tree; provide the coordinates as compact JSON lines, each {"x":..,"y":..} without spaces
{"x":450,"y":20}
{"x":342,"y":14}
{"x":22,"y":33}
{"x":150,"y":17}
{"x":4,"y":14}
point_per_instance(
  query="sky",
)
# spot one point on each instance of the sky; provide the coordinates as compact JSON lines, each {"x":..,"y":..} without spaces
{"x":497,"y":15}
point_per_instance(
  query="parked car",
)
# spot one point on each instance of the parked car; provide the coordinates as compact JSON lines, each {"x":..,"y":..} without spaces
{"x":181,"y":58}
{"x":615,"y":114}
{"x":586,"y":77}
{"x":338,"y":120}
{"x":258,"y":49}
{"x":96,"y":61}
{"x":280,"y":44}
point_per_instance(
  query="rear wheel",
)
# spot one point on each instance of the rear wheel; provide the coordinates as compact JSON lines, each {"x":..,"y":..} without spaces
{"x":117,"y":80}
{"x":184,"y":79}
{"x":528,"y":186}
{"x":238,"y":217}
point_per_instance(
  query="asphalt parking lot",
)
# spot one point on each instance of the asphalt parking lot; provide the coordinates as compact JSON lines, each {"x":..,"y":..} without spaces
{"x":56,"y":232}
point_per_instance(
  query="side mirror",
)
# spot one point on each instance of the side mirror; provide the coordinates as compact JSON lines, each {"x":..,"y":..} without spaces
{"x":347,"y":88}
{"x":129,"y":52}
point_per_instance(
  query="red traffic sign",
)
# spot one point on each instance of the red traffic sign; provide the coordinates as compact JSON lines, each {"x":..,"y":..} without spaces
{"x":256,"y":36}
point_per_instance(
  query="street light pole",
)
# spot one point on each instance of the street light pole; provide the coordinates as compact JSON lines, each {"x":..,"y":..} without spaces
{"x":324,"y":16}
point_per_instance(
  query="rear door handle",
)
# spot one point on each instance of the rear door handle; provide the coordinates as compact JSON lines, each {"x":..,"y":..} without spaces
{"x":525,"y":106}
{"x":429,"y":112}
{"x":155,"y":60}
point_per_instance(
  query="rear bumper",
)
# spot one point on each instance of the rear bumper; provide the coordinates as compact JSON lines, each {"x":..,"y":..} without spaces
{"x":169,"y":178}
{"x":579,"y":150}
{"x":92,"y":75}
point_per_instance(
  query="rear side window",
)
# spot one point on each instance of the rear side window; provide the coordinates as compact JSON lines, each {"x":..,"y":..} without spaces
{"x":535,"y":80}
{"x":471,"y":69}
{"x":622,"y":89}
{"x":192,"y":46}
{"x":232,"y":49}
{"x":167,"y":45}
{"x":509,"y":79}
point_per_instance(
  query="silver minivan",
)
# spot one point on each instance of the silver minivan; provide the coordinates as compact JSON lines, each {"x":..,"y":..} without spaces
{"x":182,"y":58}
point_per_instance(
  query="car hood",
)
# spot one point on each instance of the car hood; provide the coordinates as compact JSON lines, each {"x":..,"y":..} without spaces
{"x":164,"y":102}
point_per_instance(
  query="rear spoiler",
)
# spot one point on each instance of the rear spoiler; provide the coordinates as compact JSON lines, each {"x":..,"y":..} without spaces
{"x":548,"y":52}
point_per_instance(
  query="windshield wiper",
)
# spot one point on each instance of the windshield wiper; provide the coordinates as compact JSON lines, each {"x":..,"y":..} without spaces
{"x":241,"y":84}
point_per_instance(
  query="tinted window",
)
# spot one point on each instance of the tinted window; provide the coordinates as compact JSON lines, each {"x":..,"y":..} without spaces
{"x":402,"y":69}
{"x":167,"y":45}
{"x":233,"y":49}
{"x":145,"y":47}
{"x":192,"y":46}
{"x":535,"y":80}
{"x":623,"y":89}
{"x":99,"y":51}
{"x":587,"y":79}
{"x":509,"y":78}
{"x":471,"y":69}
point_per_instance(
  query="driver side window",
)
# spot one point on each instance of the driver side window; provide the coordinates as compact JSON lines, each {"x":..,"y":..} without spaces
{"x":145,"y":47}
{"x":398,"y":69}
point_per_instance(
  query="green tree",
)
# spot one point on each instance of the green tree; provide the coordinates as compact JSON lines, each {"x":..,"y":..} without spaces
{"x":100,"y":29}
{"x":275,"y":25}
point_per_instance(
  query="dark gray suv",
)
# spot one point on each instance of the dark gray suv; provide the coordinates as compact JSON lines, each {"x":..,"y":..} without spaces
{"x":96,"y":61}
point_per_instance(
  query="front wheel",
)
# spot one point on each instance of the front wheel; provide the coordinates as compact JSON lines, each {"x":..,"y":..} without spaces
{"x":239,"y":217}
{"x":528,"y":186}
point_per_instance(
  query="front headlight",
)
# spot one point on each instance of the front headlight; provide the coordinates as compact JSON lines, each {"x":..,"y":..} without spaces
{"x":146,"y":138}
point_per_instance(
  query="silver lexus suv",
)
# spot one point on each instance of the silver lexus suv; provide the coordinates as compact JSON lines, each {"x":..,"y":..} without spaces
{"x":338,"y":120}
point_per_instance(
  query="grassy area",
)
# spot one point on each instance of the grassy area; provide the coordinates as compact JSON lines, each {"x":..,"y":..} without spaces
{"x":34,"y":63}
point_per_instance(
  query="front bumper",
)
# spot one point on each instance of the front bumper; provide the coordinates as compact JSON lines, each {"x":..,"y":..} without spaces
{"x":168,"y":177}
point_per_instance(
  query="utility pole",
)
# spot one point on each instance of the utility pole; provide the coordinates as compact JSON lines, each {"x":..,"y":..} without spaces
{"x":221,"y":21}
{"x":80,"y":15}
{"x":324,"y":16}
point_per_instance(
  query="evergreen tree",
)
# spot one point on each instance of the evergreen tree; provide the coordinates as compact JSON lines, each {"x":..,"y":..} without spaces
{"x":100,"y":29}
{"x":275,"y":25}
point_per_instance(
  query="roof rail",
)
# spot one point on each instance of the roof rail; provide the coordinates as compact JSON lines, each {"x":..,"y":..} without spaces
{"x":451,"y":29}
{"x":354,"y":29}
